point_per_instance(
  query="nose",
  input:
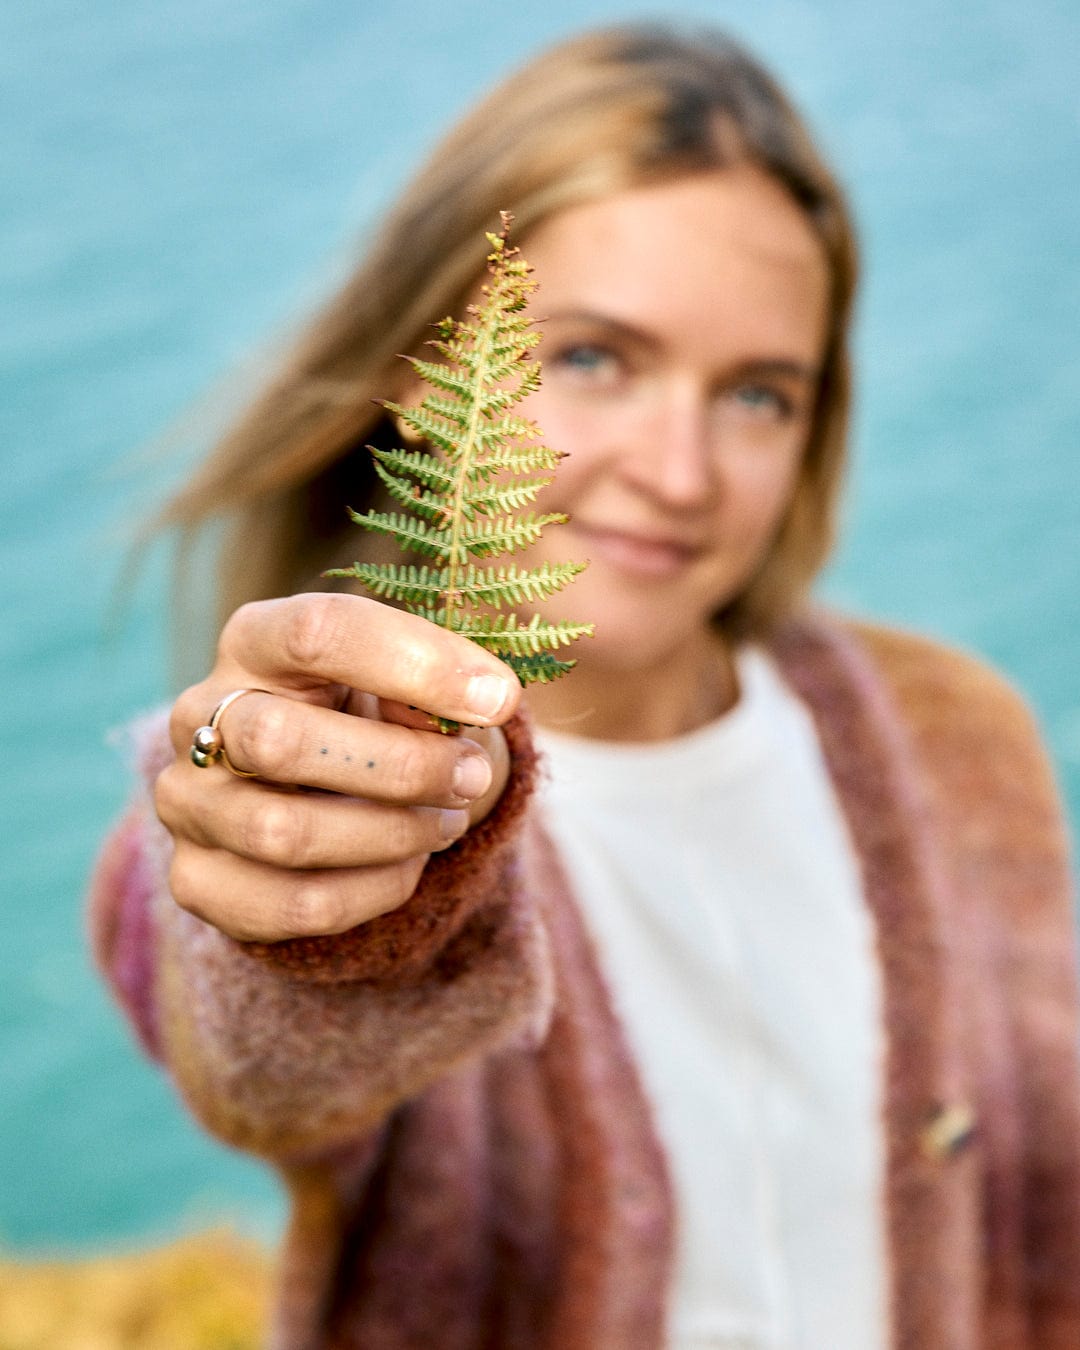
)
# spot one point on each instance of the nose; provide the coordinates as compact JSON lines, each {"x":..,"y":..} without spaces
{"x":675,"y":461}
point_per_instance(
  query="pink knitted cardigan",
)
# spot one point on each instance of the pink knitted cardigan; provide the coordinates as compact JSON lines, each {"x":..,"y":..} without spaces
{"x":450,"y":1102}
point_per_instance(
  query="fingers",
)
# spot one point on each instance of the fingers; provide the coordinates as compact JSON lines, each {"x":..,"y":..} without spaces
{"x":299,"y":830}
{"x":322,"y":639}
{"x":254,"y":902}
{"x":353,"y":683}
{"x":285,"y":740}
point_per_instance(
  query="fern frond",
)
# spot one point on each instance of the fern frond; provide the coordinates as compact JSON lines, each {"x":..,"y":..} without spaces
{"x":454,"y":412}
{"x":484,"y":538}
{"x":502,"y":498}
{"x":498,"y":400}
{"x":518,"y":459}
{"x":425,"y":468}
{"x":508,"y":426}
{"x":418,"y":587}
{"x":511,"y":585}
{"x":426,"y":587}
{"x":431,"y":505}
{"x":410,"y":533}
{"x":439,"y":429}
{"x":446,"y":378}
{"x":505,"y":633}
{"x":464,"y":494}
{"x":538,"y":667}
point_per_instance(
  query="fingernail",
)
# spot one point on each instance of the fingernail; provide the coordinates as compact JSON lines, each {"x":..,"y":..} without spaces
{"x":472,"y":777}
{"x":485,"y":695}
{"x":453,"y":824}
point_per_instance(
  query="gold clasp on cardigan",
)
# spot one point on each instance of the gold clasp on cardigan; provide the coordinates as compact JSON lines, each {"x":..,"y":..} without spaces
{"x":949,"y":1130}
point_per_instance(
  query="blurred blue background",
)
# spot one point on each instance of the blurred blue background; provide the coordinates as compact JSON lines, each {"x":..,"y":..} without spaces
{"x":181,"y":179}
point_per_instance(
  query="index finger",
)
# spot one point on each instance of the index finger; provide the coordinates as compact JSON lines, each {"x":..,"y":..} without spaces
{"x":331,"y":638}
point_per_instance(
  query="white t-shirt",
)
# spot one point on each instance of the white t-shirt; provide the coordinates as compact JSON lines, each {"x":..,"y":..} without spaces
{"x":720,"y":886}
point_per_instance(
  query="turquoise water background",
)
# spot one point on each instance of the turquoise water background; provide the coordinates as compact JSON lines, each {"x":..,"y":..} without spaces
{"x":178,"y":179}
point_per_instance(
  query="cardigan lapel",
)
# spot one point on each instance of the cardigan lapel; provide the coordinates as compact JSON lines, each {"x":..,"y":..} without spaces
{"x":931,"y":1192}
{"x":615,"y":1210}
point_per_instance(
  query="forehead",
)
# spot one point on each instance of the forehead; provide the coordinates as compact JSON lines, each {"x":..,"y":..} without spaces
{"x":703,"y":255}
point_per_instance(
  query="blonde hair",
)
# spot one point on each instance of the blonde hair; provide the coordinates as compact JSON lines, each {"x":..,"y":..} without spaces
{"x":602,"y":112}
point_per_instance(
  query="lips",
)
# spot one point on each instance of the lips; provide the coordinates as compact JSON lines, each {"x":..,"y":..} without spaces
{"x":649,"y":556}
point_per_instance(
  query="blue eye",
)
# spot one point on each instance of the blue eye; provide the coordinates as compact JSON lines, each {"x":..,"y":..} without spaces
{"x":763,"y":398}
{"x":587,"y":359}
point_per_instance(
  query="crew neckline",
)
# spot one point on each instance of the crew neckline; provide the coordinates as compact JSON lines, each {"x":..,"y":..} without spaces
{"x":726,"y":744}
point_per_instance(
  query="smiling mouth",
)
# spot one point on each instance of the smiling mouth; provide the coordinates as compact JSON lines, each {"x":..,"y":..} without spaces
{"x":642,"y":555}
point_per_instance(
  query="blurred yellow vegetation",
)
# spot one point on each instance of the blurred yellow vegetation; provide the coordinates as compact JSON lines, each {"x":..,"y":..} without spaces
{"x":206,"y":1292}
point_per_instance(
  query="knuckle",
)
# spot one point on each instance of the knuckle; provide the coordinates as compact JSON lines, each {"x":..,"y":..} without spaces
{"x":277,"y":833}
{"x":240,"y":622}
{"x":410,"y":873}
{"x":393,"y":887}
{"x":411,"y":772}
{"x":166,"y":796}
{"x":419,"y":665}
{"x":260,"y":736}
{"x":314,"y":907}
{"x":184,"y":881}
{"x":312,"y":627}
{"x":403,"y":881}
{"x":412,"y":832}
{"x":407,"y":831}
{"x":188,"y":712}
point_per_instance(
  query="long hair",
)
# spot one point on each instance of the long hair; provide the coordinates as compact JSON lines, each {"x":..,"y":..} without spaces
{"x":605,"y":111}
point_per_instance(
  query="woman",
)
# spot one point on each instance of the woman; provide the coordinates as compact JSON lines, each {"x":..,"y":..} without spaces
{"x":754,"y":1026}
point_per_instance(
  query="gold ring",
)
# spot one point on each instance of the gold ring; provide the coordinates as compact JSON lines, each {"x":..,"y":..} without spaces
{"x":208,"y":744}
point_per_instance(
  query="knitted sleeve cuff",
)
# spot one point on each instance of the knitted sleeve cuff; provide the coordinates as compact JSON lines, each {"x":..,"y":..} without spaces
{"x":399,"y":946}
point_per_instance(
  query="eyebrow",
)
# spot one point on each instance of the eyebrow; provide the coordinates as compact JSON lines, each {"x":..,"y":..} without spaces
{"x":765,"y":365}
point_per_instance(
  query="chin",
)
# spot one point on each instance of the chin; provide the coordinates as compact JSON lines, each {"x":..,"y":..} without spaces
{"x":637,"y":623}
{"x":625,"y":643}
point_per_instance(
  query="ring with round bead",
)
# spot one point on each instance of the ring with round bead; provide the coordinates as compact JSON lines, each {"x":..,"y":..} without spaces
{"x":208,"y":742}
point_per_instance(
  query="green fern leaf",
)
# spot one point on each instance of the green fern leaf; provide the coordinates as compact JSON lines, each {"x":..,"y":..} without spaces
{"x":508,"y":426}
{"x":430,"y":426}
{"x":409,"y":533}
{"x":505,"y":633}
{"x":519,"y":459}
{"x":502,"y":498}
{"x":446,"y":378}
{"x":509,"y":584}
{"x":487,"y":538}
{"x":538,"y":667}
{"x":426,"y":469}
{"x":430,"y":505}
{"x":455,"y":413}
{"x":416,"y":586}
{"x":464,"y":493}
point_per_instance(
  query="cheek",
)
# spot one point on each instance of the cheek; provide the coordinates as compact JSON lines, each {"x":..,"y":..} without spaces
{"x":585,"y":461}
{"x":586,"y":428}
{"x":759,"y":491}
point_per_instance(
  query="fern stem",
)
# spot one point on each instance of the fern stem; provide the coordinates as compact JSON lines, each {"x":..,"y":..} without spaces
{"x":452,"y":597}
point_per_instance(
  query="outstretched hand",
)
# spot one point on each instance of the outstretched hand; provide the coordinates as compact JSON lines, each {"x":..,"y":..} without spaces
{"x":354,"y":787}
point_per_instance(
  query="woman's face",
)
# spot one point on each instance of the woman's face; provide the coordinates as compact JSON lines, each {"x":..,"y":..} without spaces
{"x":684,"y":327}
